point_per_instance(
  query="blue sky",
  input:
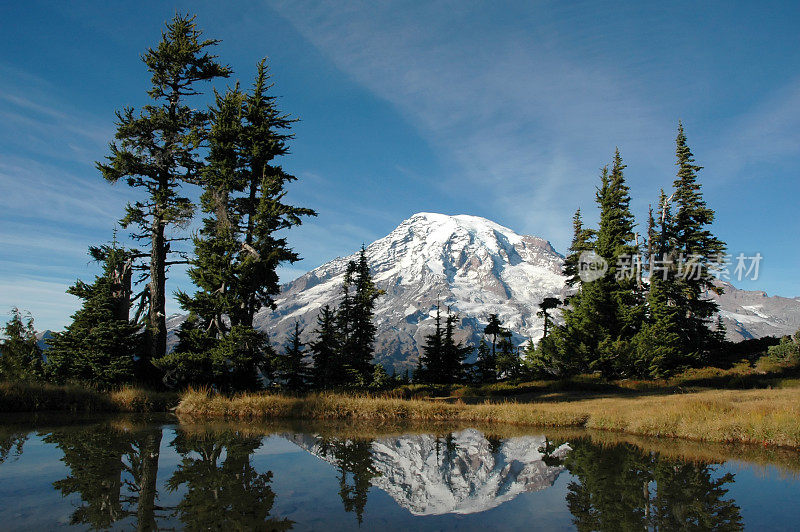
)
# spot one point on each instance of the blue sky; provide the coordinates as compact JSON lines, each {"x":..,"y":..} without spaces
{"x":502,"y":111}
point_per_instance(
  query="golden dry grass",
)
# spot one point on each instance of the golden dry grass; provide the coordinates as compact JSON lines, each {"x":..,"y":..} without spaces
{"x":768,"y":417}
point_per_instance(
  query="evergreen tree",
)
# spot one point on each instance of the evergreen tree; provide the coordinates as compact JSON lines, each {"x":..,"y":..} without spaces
{"x":362,"y":338}
{"x":101,"y":344}
{"x":354,"y":321}
{"x":20,"y":355}
{"x":658,"y":347}
{"x":292,"y":366}
{"x":325,"y":350}
{"x":431,"y":363}
{"x":262,"y":208}
{"x":237,"y":251}
{"x":509,"y":364}
{"x":607,"y":312}
{"x":547,"y":304}
{"x":380,"y":379}
{"x":582,"y":241}
{"x":342,"y":368}
{"x":698,"y":248}
{"x":486,"y":363}
{"x":156,"y":150}
{"x":453,"y":353}
{"x":494,"y":329}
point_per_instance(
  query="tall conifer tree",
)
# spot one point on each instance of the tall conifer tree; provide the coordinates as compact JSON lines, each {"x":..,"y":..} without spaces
{"x":699,"y":249}
{"x":156,"y":150}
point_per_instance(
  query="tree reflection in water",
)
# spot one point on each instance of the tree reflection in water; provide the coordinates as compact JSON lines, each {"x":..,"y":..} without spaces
{"x":621,"y":487}
{"x":223,"y":494}
{"x":113,"y":470}
{"x":11,"y":444}
{"x":353,"y":458}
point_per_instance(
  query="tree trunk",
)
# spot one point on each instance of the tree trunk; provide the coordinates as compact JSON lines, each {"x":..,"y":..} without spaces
{"x":145,"y":514}
{"x":158,"y":321}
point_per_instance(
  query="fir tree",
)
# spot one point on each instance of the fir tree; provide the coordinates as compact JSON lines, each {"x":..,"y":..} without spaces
{"x":101,"y":344}
{"x":355,"y":321}
{"x":325,"y":350}
{"x":155,"y":150}
{"x":658,"y":347}
{"x":431,"y":363}
{"x":453,"y":353}
{"x":547,"y":304}
{"x":20,"y":355}
{"x":237,"y":251}
{"x":380,"y":379}
{"x":262,"y":209}
{"x":486,"y":363}
{"x":292,"y":366}
{"x":582,"y":241}
{"x":509,"y":364}
{"x":494,"y":329}
{"x":697,"y":247}
{"x":362,"y":337}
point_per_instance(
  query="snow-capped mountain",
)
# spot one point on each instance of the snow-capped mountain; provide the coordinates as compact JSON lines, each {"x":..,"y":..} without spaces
{"x":430,"y":475}
{"x":471,"y":264}
{"x":476,"y":267}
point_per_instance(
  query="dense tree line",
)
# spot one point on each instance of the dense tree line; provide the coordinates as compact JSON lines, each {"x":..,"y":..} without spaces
{"x":647,"y":314}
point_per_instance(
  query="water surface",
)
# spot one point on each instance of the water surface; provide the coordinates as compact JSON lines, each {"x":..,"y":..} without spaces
{"x":155,"y":473}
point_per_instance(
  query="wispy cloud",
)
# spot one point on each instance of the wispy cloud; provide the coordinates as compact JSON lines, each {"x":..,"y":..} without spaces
{"x":525,"y":121}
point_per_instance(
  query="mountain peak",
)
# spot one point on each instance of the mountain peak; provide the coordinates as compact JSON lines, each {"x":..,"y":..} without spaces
{"x":471,"y":264}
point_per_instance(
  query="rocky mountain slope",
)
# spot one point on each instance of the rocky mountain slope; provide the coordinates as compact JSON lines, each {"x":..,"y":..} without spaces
{"x":463,"y":474}
{"x":754,"y":314}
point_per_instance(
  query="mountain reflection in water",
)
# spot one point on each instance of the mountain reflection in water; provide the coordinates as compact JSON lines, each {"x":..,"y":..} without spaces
{"x":149,"y":476}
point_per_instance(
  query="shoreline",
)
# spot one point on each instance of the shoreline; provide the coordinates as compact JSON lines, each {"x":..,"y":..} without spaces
{"x":768,"y":417}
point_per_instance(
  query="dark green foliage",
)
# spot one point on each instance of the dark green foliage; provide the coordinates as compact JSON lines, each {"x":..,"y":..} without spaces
{"x":382,"y":380}
{"x":237,"y":361}
{"x":223,"y":493}
{"x":431,"y":365}
{"x":20,"y":355}
{"x":237,"y":250}
{"x":354,"y":321}
{"x":156,"y":151}
{"x":509,"y":363}
{"x":787,"y":350}
{"x":101,"y":344}
{"x":114,"y":473}
{"x":353,"y":459}
{"x":325,"y":350}
{"x":582,"y":241}
{"x":657,"y":346}
{"x":547,"y":304}
{"x":694,"y":242}
{"x":620,"y":324}
{"x":620,"y":487}
{"x":486,"y":363}
{"x":292,"y":369}
{"x":442,"y":358}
